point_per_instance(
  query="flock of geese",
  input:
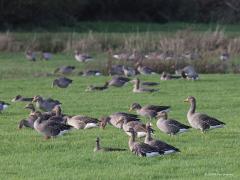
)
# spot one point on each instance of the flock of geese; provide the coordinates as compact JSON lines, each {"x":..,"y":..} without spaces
{"x":46,"y":116}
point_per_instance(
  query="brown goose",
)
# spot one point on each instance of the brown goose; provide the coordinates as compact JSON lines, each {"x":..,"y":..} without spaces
{"x":163,"y":146}
{"x":45,"y":104}
{"x":97,"y":88}
{"x":98,"y":148}
{"x":62,"y":82}
{"x":199,"y":120}
{"x":142,"y":149}
{"x":83,"y":122}
{"x":170,"y":126}
{"x":138,"y":89}
{"x":20,"y":98}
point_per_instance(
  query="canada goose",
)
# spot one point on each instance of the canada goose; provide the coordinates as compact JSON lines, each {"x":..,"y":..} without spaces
{"x":49,"y":128}
{"x":98,"y":148}
{"x":167,"y":76}
{"x":115,"y":117}
{"x":45,"y":104}
{"x":83,"y":122}
{"x":129,"y":71}
{"x":142,"y":149}
{"x":118,"y":81}
{"x":64,"y":70}
{"x":19,"y":98}
{"x":163,"y":146}
{"x":3,"y":106}
{"x":199,"y":120}
{"x":97,"y":88}
{"x":149,"y":111}
{"x":188,"y":72}
{"x":46,"y":56}
{"x":90,"y":73}
{"x":62,"y":82}
{"x":82,"y":57}
{"x":138,"y":89}
{"x":170,"y":126}
{"x":30,"y":55}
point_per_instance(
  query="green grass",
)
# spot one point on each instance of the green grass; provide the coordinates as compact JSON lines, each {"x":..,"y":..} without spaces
{"x":24,"y":154}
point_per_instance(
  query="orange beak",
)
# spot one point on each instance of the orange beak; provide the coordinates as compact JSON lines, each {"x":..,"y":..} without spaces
{"x":186,"y":100}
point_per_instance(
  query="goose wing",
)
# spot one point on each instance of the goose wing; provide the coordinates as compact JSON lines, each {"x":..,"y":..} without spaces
{"x":210,"y":120}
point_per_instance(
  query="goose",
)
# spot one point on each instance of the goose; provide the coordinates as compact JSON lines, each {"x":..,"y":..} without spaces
{"x":45,"y":104}
{"x":170,"y":126}
{"x":90,"y":73}
{"x":142,"y":149}
{"x":199,"y":120}
{"x":20,"y":98}
{"x":129,"y":71}
{"x":189,"y":73}
{"x":149,"y":111}
{"x":149,"y":83}
{"x":116,"y":70}
{"x":46,"y":56}
{"x":62,"y":82}
{"x":97,"y":88}
{"x":118,"y":81}
{"x":30,"y":55}
{"x":161,"y":145}
{"x":167,"y":76}
{"x":46,"y":115}
{"x":138,"y":89}
{"x":49,"y":128}
{"x":82,"y":122}
{"x":82,"y":57}
{"x":64,"y":70}
{"x":115,"y":117}
{"x":29,"y":122}
{"x":144,"y":69}
{"x":3,"y":106}
{"x":225,"y":56}
{"x":98,"y":148}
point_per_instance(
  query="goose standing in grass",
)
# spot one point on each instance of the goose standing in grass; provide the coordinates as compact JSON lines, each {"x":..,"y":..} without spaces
{"x":3,"y":106}
{"x":199,"y":120}
{"x":82,"y":122}
{"x":30,"y":55}
{"x":167,"y":76}
{"x":142,"y":149}
{"x":80,"y":57}
{"x":20,"y":98}
{"x":161,"y":145}
{"x":62,"y":82}
{"x":46,"y":56}
{"x":64,"y":70}
{"x":97,"y":88}
{"x":90,"y":73}
{"x":45,"y":104}
{"x":170,"y":126}
{"x":138,"y":89}
{"x":98,"y":148}
{"x":118,"y":81}
{"x":149,"y":111}
{"x":49,"y":128}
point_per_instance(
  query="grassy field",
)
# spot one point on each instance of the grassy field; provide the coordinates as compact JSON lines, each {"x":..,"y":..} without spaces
{"x":24,"y":154}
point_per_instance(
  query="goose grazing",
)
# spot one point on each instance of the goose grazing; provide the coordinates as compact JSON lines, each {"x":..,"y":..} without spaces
{"x":161,"y":145}
{"x":138,"y":89}
{"x":45,"y":104}
{"x":90,"y":73}
{"x":49,"y":128}
{"x":118,"y":81}
{"x":115,"y":117}
{"x":98,"y":148}
{"x":46,"y":56}
{"x":30,"y":55}
{"x":170,"y":126}
{"x":97,"y":88}
{"x":3,"y":106}
{"x":199,"y":120}
{"x":62,"y":82}
{"x":167,"y":76}
{"x":129,"y":71}
{"x":142,"y":149}
{"x":20,"y":98}
{"x":149,"y":111}
{"x":82,"y":57}
{"x":82,"y":122}
{"x":64,"y":70}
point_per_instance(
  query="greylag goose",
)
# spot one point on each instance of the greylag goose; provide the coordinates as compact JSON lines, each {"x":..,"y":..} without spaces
{"x":3,"y":106}
{"x":170,"y":126}
{"x":163,"y":146}
{"x":150,"y":83}
{"x":46,"y":56}
{"x":82,"y":57}
{"x":129,"y":71}
{"x":167,"y":76}
{"x":118,"y":81}
{"x":98,"y":148}
{"x":45,"y":104}
{"x":31,"y":56}
{"x":144,"y":69}
{"x":97,"y":88}
{"x":29,"y":122}
{"x":20,"y":98}
{"x":116,"y":70}
{"x":188,"y":72}
{"x":149,"y":111}
{"x":142,"y":149}
{"x":82,"y":122}
{"x":62,"y":82}
{"x":138,"y":89}
{"x":199,"y":120}
{"x":49,"y":128}
{"x":90,"y":73}
{"x":64,"y":70}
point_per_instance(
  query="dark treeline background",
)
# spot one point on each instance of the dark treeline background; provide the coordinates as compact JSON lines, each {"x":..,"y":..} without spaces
{"x":17,"y":13}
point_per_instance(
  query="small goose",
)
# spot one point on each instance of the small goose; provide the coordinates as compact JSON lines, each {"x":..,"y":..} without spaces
{"x":49,"y":128}
{"x":97,"y":88}
{"x":90,"y":73}
{"x":83,"y":122}
{"x":64,"y":70}
{"x":129,"y":71}
{"x":142,"y":149}
{"x":170,"y":126}
{"x":3,"y":106}
{"x":98,"y":148}
{"x":46,"y":56}
{"x":161,"y":145}
{"x":149,"y":111}
{"x":45,"y":104}
{"x":167,"y":76}
{"x":82,"y":57}
{"x":30,"y":55}
{"x":20,"y":98}
{"x":199,"y":120}
{"x":138,"y":89}
{"x":62,"y":82}
{"x":118,"y":81}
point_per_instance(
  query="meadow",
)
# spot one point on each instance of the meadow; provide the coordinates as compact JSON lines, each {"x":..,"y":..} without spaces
{"x":24,"y":154}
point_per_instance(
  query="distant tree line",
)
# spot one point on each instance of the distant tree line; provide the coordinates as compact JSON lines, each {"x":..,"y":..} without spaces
{"x":68,"y":12}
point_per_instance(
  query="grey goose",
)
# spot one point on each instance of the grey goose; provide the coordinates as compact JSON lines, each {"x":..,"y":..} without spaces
{"x":64,"y":70}
{"x":45,"y":104}
{"x":138,"y":89}
{"x":97,"y":88}
{"x":62,"y":82}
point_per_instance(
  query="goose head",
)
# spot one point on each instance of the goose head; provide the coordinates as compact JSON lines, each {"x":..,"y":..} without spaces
{"x":103,"y":122}
{"x":135,"y":106}
{"x":57,"y":110}
{"x":190,"y":99}
{"x":37,"y":98}
{"x":54,"y":83}
{"x":30,"y":106}
{"x":162,"y":114}
{"x":16,"y":98}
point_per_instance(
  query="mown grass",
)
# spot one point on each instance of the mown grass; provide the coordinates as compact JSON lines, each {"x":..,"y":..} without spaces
{"x":24,"y":154}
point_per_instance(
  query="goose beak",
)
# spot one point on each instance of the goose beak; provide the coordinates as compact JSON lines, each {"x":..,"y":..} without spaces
{"x":130,"y":109}
{"x":186,"y":100}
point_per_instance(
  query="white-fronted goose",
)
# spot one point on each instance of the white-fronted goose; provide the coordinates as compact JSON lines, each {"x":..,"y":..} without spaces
{"x":45,"y":104}
{"x":167,"y":76}
{"x":64,"y":70}
{"x":149,"y":111}
{"x":161,"y":145}
{"x":90,"y":73}
{"x":170,"y":126}
{"x":199,"y":120}
{"x":83,"y":122}
{"x":80,"y":57}
{"x":98,"y":148}
{"x":118,"y":81}
{"x":62,"y":82}
{"x":46,"y":56}
{"x":20,"y":98}
{"x":142,"y":149}
{"x":30,"y":55}
{"x":3,"y":106}
{"x":97,"y":88}
{"x":138,"y":89}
